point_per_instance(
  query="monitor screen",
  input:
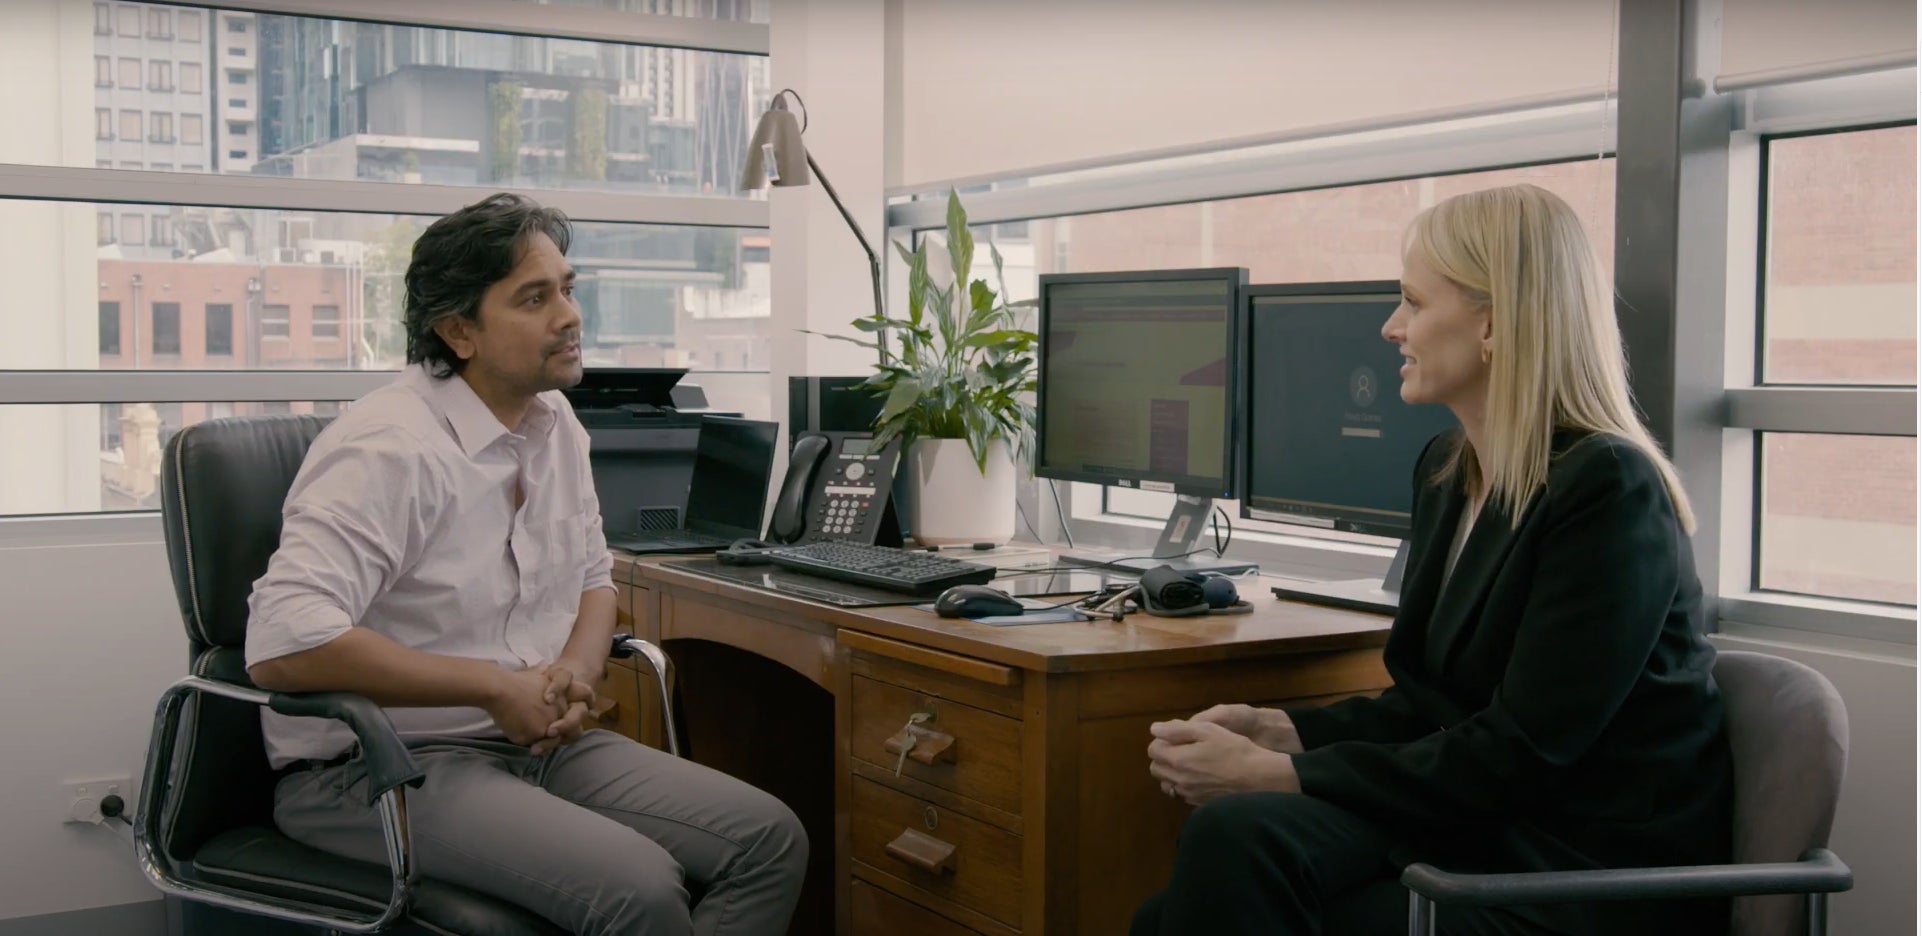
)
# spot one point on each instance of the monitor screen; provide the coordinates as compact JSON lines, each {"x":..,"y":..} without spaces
{"x":1137,"y":379}
{"x":1329,"y":441}
{"x":732,"y":463}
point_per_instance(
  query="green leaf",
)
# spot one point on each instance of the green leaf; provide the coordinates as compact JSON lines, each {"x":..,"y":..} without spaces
{"x":905,"y":393}
{"x":870,"y":345}
{"x":960,"y":240}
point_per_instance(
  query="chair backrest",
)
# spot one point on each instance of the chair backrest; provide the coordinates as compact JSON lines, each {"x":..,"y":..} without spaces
{"x":1788,"y":732}
{"x":223,"y":483}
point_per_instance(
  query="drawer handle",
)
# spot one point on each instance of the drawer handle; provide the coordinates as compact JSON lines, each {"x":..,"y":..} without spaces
{"x":923,"y":851}
{"x":923,"y":744}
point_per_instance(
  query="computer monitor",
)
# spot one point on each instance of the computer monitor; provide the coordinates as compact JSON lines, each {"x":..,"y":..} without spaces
{"x":1138,"y":384}
{"x":1327,"y":439}
{"x":732,"y":463}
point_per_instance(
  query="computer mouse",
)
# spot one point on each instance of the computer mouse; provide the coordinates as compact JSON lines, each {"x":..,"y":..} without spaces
{"x":976,"y":601}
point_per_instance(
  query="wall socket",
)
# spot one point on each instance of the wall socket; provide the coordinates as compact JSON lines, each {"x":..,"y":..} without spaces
{"x":84,"y":796}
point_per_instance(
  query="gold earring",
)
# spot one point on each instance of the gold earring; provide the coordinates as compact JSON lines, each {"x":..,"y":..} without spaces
{"x":1488,"y":353}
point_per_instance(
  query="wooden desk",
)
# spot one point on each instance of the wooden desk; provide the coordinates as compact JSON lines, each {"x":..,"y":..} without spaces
{"x":1027,"y":807}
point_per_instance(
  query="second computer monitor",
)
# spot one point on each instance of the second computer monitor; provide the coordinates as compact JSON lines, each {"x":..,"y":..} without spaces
{"x":1138,"y":379}
{"x":1329,"y":441}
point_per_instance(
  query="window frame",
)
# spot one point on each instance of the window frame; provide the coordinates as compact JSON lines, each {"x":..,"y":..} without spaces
{"x":1530,"y":135}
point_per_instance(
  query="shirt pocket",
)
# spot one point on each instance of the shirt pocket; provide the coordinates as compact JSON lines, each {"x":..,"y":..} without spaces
{"x":563,"y":549}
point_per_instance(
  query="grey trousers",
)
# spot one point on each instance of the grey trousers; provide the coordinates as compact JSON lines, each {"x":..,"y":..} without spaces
{"x":599,"y":836}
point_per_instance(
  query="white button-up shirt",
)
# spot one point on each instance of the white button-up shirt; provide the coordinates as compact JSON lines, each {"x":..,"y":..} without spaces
{"x":403,"y":519}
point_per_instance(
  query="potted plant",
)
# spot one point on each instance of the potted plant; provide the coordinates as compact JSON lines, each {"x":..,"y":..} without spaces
{"x":957,"y":375}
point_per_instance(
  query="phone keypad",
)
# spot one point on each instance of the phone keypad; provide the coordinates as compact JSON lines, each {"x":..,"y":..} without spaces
{"x":843,"y":515}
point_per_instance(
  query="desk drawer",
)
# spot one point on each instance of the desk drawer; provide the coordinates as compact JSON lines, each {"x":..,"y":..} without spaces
{"x":879,"y":913}
{"x":973,"y":864}
{"x":958,"y":748}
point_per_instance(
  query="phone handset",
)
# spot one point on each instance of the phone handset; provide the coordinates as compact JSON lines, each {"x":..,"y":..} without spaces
{"x":789,"y":522}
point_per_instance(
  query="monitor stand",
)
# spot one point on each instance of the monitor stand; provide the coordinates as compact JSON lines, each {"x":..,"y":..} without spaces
{"x":1179,"y":536}
{"x":1381,"y":595}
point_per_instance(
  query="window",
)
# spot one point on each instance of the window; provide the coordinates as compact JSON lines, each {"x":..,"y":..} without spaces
{"x":1838,"y":302}
{"x":1835,"y":513}
{"x":133,"y":229}
{"x":1837,"y":516}
{"x":326,"y":322}
{"x":162,"y":129}
{"x":103,"y":229}
{"x":160,"y":75}
{"x":238,"y":52}
{"x":1358,"y":231}
{"x":110,"y":428}
{"x":166,"y":328}
{"x":129,"y":20}
{"x":102,"y":123}
{"x":236,"y":154}
{"x":130,"y":125}
{"x":130,"y":73}
{"x":163,"y":229}
{"x":220,"y":329}
{"x":189,"y":23}
{"x":193,"y":129}
{"x":274,"y":322}
{"x":732,"y":12}
{"x":160,"y":23}
{"x":728,"y":297}
{"x":102,"y":71}
{"x":237,"y":128}
{"x":102,"y":20}
{"x":454,"y":86}
{"x":110,"y":328}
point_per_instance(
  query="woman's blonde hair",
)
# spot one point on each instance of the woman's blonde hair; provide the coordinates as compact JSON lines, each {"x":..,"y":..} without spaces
{"x":1557,"y":360}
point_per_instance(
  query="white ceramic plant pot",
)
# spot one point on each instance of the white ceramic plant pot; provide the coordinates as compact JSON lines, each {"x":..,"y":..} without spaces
{"x":950,"y":502}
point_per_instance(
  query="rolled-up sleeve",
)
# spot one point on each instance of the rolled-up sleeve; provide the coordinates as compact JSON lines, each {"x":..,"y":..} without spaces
{"x":597,"y":565}
{"x":358,"y":510}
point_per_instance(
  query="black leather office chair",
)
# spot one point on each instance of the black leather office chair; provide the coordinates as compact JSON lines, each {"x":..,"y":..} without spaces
{"x":1789,"y":735}
{"x":204,"y":831}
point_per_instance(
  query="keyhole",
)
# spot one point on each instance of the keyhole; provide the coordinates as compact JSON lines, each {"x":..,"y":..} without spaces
{"x":931,"y":819}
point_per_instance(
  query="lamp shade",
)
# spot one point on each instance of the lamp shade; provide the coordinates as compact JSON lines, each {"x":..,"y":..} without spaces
{"x":775,"y":156}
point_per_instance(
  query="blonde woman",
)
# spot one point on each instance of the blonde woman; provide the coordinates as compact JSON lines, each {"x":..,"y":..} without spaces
{"x":1552,"y":706}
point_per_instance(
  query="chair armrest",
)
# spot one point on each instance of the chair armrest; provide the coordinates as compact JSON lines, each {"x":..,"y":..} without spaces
{"x":626,"y":645}
{"x":389,"y":765}
{"x":1819,"y":872}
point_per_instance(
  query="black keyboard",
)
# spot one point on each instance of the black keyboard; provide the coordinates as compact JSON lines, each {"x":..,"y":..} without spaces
{"x":910,"y":572}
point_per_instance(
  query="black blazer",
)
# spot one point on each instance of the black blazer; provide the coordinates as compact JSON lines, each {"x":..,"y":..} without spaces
{"x":1552,"y":706}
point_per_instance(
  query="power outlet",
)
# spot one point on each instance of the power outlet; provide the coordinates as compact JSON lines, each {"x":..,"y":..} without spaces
{"x":84,"y":796}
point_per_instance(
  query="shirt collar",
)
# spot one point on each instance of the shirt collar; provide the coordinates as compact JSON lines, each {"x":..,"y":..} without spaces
{"x":475,"y":426}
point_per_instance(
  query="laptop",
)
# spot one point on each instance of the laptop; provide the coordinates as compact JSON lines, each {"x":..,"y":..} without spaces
{"x":733,"y":461}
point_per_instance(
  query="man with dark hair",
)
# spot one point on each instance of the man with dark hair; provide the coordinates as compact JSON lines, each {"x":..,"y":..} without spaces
{"x":442,"y":555}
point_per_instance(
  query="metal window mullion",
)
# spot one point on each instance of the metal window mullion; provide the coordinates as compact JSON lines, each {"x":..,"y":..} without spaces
{"x":60,"y":183}
{"x":24,"y":387}
{"x":551,"y":21}
{"x":1830,"y":410}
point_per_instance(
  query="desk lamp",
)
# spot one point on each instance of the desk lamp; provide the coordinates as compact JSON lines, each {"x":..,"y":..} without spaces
{"x":776,"y":157}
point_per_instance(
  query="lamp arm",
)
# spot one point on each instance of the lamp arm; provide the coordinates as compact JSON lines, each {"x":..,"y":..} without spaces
{"x":874,"y":262}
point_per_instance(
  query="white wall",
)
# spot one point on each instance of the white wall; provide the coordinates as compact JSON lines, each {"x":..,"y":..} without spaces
{"x":997,"y":86}
{"x":1875,"y":823}
{"x":91,"y":634}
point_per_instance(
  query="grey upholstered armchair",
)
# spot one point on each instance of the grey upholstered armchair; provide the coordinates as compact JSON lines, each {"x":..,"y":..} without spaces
{"x":1789,"y":734}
